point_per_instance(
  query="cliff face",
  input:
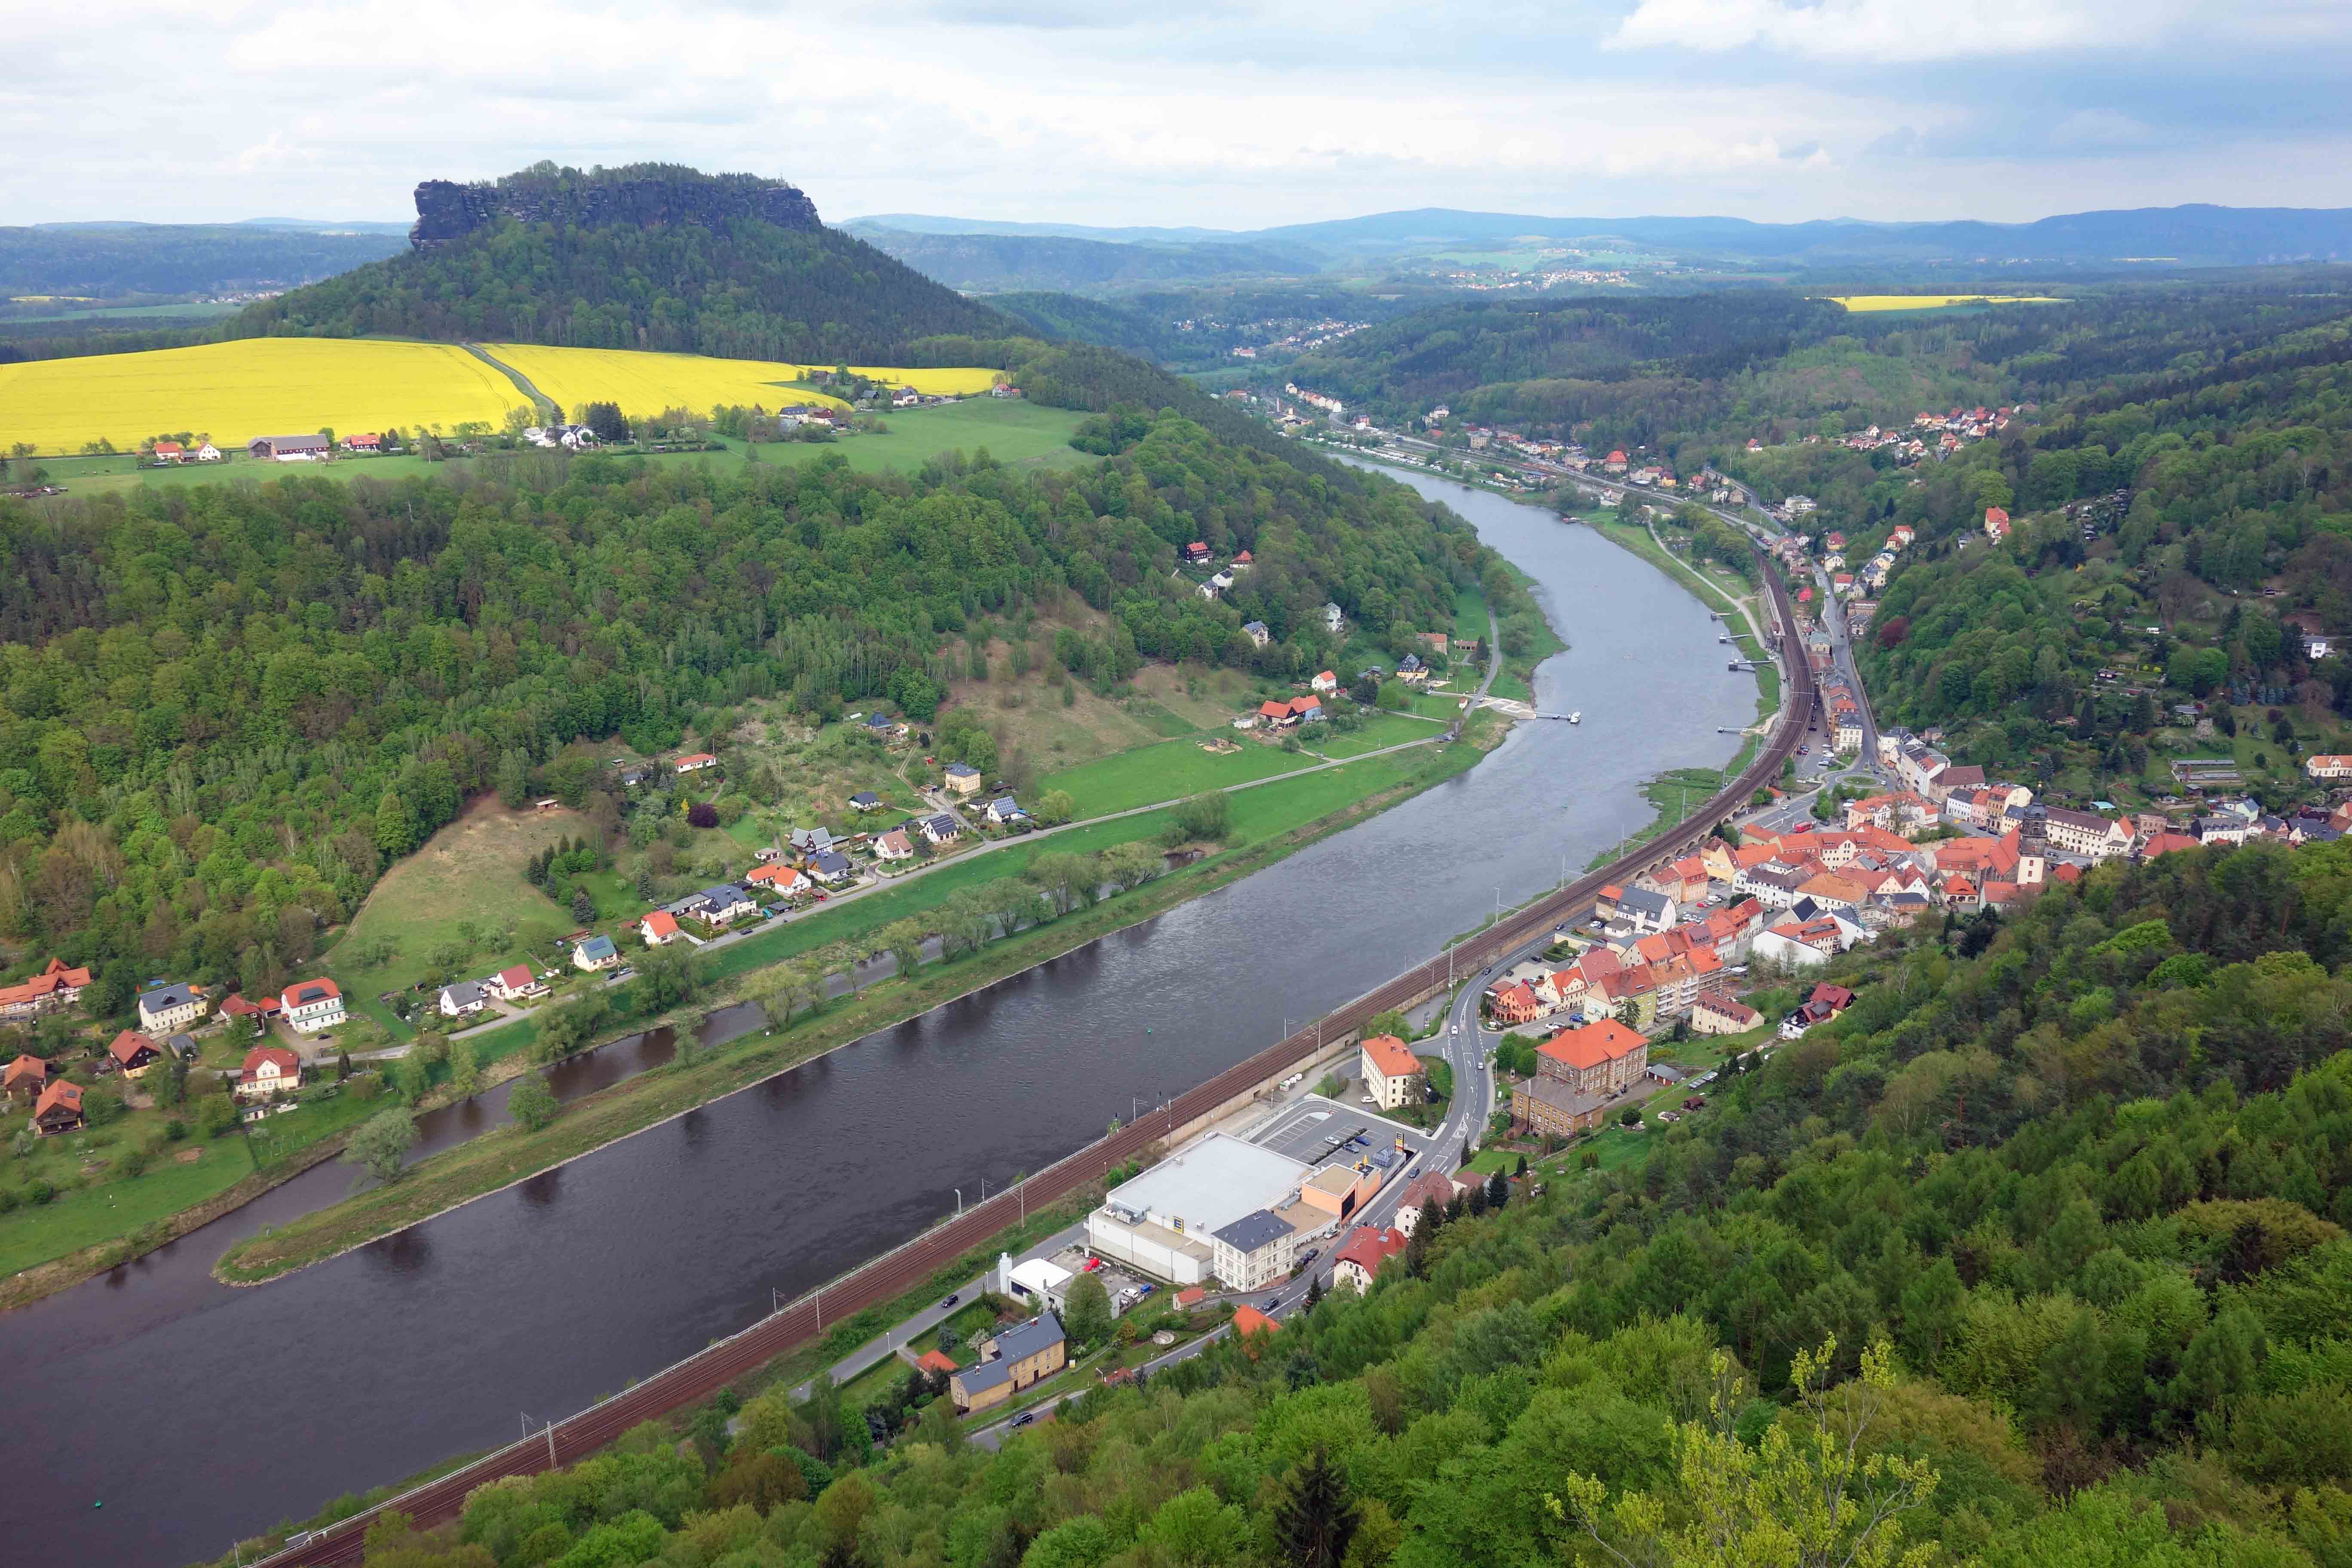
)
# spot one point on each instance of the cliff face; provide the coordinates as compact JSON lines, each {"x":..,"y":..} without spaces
{"x":446,"y":210}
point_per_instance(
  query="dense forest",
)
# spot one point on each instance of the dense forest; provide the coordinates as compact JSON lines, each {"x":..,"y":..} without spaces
{"x":223,"y":710}
{"x":2036,"y":1257}
{"x":2174,"y":504}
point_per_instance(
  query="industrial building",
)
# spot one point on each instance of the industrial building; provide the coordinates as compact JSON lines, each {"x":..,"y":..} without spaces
{"x":1165,"y":1222}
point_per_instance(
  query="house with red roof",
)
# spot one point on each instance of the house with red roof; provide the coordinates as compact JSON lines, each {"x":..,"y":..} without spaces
{"x":1514,"y":1004}
{"x":27,"y":1076}
{"x":1996,"y":524}
{"x":1305,"y":711}
{"x":262,"y":1008}
{"x":1429,"y":1187}
{"x":1357,"y":1261}
{"x":1603,"y":1058}
{"x":775,"y":875}
{"x":53,"y":987}
{"x":267,"y":1070}
{"x":311,"y":1005}
{"x":515,"y":983}
{"x":133,"y":1053}
{"x":694,"y":761}
{"x":1249,"y":1322}
{"x":1391,"y":1072}
{"x":937,"y":1362}
{"x":1275,"y":715}
{"x":58,"y":1109}
{"x":659,"y":928}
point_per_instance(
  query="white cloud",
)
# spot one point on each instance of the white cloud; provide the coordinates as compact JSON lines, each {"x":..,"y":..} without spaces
{"x":1251,"y":114}
{"x":1888,"y":30}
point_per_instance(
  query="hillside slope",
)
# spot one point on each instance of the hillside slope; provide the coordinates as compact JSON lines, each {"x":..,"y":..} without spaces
{"x":647,"y":257}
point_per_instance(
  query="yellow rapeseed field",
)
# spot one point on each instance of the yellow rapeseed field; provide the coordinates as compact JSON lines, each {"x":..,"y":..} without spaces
{"x":648,"y":382}
{"x":1934,"y":302}
{"x":254,"y":386}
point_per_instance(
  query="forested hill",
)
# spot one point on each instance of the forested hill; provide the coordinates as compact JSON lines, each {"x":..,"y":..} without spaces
{"x":222,"y":708}
{"x":2035,"y":1259}
{"x":670,"y":260}
{"x":1689,"y":376}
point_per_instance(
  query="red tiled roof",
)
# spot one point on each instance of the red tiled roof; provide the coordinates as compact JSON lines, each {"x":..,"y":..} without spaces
{"x":59,"y":1096}
{"x":516,"y":978}
{"x":1393,"y":1057}
{"x":1592,"y":1044}
{"x":1271,"y":710}
{"x":238,"y":1006}
{"x":661,"y":922}
{"x":1248,"y":1321}
{"x":24,"y":1068}
{"x":129,"y":1043}
{"x":287,"y":1062}
{"x":1367,"y":1248}
{"x":936,"y":1360}
{"x":320,"y":989}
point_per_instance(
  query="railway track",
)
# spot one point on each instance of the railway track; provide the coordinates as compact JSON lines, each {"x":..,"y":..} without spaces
{"x":885,"y":1278}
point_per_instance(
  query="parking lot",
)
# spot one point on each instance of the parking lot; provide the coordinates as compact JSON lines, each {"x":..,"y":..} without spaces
{"x":1304,"y":1131}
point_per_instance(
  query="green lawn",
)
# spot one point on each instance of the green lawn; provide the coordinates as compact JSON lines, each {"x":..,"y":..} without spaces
{"x":1166,"y":771}
{"x":74,"y":1220}
{"x":1385,"y":729}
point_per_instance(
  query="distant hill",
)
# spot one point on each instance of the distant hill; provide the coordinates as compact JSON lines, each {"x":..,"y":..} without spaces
{"x":644,"y":257}
{"x":119,"y":260}
{"x":993,"y":263}
{"x":2188,"y":235}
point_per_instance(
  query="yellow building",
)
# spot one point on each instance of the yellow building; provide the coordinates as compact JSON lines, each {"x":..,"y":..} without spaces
{"x":1011,"y":1363}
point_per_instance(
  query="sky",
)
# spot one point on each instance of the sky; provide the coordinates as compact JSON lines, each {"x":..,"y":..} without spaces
{"x":1222,"y":114}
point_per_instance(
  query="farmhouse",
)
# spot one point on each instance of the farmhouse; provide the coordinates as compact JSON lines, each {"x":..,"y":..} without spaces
{"x":693,"y":762}
{"x":27,"y":1076}
{"x":55,"y":987}
{"x":289,"y":449}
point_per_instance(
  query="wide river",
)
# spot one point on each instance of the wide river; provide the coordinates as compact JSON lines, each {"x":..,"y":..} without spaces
{"x":154,"y":1415}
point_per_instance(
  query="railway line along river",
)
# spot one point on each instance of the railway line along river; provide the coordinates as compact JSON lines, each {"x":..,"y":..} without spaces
{"x":197,"y":1414}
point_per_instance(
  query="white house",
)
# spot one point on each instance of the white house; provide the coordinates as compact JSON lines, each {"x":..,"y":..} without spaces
{"x":1333,"y":616}
{"x":269,"y":1069}
{"x":463,"y":1000}
{"x":658,"y":929}
{"x":1004,"y":810}
{"x":515,"y":983}
{"x":311,"y":1005}
{"x":940,"y":829}
{"x":170,"y":1008}
{"x":1391,"y":1072}
{"x":596,"y":952}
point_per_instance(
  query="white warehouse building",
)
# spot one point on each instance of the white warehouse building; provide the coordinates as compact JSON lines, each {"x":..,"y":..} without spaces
{"x":1165,"y":1221}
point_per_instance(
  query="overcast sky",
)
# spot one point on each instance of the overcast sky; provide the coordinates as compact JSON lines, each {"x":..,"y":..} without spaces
{"x":1223,"y":113}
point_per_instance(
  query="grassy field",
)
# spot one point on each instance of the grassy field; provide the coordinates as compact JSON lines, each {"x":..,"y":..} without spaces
{"x":469,"y":873}
{"x":1017,"y":434}
{"x":1166,"y":771}
{"x":253,"y":386}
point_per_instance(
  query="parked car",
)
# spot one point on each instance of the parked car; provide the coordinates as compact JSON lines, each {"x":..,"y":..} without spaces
{"x":1022,"y":1419}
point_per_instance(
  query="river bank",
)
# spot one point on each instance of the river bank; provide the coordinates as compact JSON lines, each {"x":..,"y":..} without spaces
{"x":510,"y":1155}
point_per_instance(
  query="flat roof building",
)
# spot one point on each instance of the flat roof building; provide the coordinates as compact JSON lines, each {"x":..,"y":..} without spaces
{"x":1164,"y":1222}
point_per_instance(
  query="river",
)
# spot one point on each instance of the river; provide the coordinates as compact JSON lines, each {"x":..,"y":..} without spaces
{"x":196,"y":1414}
